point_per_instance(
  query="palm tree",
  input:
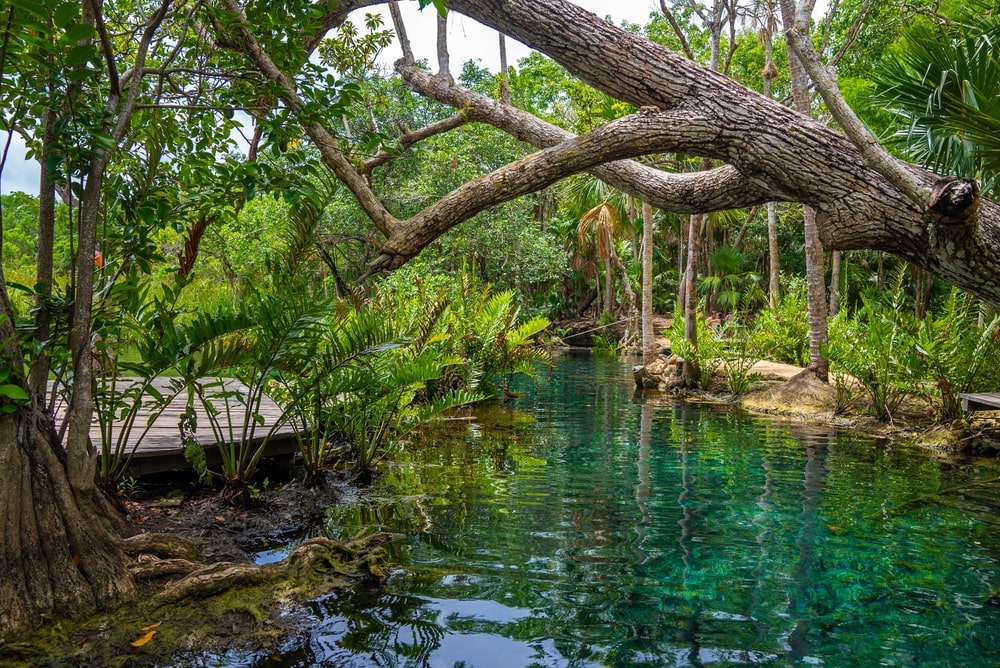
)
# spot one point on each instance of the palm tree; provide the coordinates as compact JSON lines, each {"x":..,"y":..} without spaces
{"x":600,"y":227}
{"x":944,"y":85}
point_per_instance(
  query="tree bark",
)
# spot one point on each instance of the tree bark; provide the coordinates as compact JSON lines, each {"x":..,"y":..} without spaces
{"x":650,"y":350}
{"x":691,"y":110}
{"x":57,"y":556}
{"x":815,"y":275}
{"x":39,"y":373}
{"x":773,"y":265}
{"x":835,"y":263}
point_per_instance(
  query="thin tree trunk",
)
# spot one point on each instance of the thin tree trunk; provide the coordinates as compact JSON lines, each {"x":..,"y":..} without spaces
{"x":682,"y":232}
{"x":835,"y":262}
{"x":816,"y":294}
{"x":80,"y":453}
{"x":815,"y":283}
{"x":609,"y":289}
{"x":504,"y":80}
{"x":695,"y":224}
{"x":444,"y":66}
{"x":774,"y":273}
{"x":39,"y":373}
{"x":768,"y":75}
{"x":649,"y":348}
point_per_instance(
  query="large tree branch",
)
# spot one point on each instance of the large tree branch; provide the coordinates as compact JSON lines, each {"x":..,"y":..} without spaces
{"x":713,"y":190}
{"x":793,"y":156}
{"x":637,"y":134}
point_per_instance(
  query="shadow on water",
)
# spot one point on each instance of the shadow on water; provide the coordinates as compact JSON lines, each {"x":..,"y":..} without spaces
{"x":586,"y":526}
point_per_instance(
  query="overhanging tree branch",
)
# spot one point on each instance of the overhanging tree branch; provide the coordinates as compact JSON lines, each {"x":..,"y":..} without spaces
{"x":327,"y":144}
{"x":874,"y":155}
{"x":713,"y":190}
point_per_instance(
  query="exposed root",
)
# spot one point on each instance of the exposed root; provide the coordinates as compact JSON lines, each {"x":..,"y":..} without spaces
{"x":361,"y":558}
{"x":213,"y":579}
{"x":149,"y":567}
{"x":162,"y":545}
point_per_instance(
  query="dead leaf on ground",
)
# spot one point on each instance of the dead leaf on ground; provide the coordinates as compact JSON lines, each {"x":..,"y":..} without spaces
{"x":143,"y":640}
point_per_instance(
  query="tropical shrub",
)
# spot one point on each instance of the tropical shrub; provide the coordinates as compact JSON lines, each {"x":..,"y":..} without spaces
{"x":960,"y":355}
{"x":878,"y":348}
{"x":783,"y":329}
{"x":707,"y":356}
{"x":739,"y":353}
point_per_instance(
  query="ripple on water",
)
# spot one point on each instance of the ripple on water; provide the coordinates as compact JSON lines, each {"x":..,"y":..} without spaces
{"x":593,"y":528}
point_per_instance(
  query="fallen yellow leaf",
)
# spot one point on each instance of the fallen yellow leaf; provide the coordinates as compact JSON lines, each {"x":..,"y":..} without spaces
{"x":151,"y":626}
{"x":143,"y":640}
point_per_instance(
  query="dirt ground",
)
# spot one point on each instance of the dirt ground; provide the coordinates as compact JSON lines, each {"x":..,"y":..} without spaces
{"x":286,"y":510}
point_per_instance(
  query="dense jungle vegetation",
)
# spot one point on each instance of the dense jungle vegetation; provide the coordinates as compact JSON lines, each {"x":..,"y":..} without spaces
{"x":188,"y":224}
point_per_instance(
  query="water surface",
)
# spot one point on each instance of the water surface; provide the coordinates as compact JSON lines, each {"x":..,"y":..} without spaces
{"x":586,"y":526}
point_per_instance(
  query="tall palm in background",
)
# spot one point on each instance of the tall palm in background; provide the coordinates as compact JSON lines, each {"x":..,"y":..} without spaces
{"x":600,"y":226}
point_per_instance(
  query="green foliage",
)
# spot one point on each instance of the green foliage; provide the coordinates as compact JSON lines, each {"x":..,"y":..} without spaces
{"x":877,"y":347}
{"x":944,"y":84}
{"x":783,"y":330}
{"x":707,"y":356}
{"x":960,"y":354}
{"x":739,"y":353}
{"x":12,"y":395}
{"x":605,"y":344}
{"x":733,"y":287}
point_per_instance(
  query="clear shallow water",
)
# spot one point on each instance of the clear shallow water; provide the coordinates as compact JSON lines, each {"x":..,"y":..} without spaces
{"x":585,"y":526}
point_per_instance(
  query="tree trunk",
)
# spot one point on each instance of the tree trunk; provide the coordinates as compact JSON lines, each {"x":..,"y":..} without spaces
{"x":650,"y":350}
{"x":815,"y":275}
{"x":695,"y":225}
{"x":682,"y":231}
{"x":504,"y":74}
{"x":774,"y":270}
{"x":816,"y":294}
{"x":835,"y":279}
{"x":39,"y":373}
{"x":768,"y":75}
{"x":81,"y":456}
{"x":57,"y":555}
{"x":609,"y":288}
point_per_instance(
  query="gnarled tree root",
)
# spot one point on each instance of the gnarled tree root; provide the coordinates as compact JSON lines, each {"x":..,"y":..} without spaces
{"x":361,"y":558}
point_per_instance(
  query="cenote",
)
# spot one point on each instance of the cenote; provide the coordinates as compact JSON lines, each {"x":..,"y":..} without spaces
{"x":584,"y":525}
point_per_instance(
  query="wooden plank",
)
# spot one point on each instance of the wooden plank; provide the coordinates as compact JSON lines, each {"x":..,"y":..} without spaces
{"x":980,"y":401}
{"x":158,"y":446}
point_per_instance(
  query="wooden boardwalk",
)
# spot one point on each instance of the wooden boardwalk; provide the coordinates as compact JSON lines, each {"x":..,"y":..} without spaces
{"x":160,"y":447}
{"x":980,"y":401}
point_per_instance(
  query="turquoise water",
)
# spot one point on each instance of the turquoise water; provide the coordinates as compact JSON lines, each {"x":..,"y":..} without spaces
{"x":586,"y":526}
